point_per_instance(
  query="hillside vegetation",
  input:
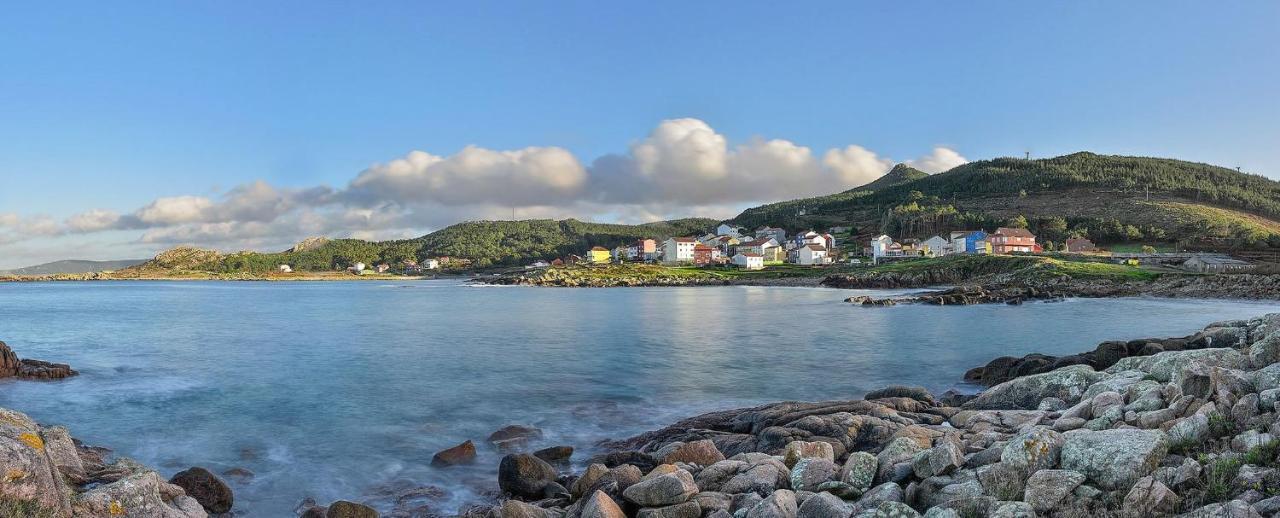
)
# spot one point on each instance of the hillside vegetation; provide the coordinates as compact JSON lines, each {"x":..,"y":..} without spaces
{"x":1110,"y":199}
{"x":479,"y":243}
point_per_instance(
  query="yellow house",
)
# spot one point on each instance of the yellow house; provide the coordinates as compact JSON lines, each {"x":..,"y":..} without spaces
{"x":598,"y":255}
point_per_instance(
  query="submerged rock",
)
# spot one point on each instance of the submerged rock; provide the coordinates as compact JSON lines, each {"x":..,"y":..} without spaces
{"x":464,"y":453}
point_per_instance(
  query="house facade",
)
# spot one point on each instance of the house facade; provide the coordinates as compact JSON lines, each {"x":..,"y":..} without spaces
{"x":935,"y":246}
{"x":967,"y":242}
{"x":811,"y":255}
{"x":678,"y":250}
{"x":598,"y":255}
{"x":749,"y":261}
{"x":779,"y":235}
{"x":880,"y":246}
{"x":726,"y":229}
{"x":1009,"y":240}
{"x":703,"y":255}
{"x":643,"y":250}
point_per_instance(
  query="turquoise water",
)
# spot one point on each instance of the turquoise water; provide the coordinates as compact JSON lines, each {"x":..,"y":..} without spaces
{"x":342,"y":390}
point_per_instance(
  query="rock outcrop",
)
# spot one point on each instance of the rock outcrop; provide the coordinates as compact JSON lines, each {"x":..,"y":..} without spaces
{"x":12,"y":367}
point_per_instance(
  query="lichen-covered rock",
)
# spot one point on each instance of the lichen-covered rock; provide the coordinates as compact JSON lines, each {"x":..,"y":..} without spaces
{"x":1163,"y":366}
{"x":824,"y":505}
{"x":1025,"y":393}
{"x":666,"y":489}
{"x":761,"y":477}
{"x":859,"y":470}
{"x":1034,"y":449}
{"x":1012,"y":510}
{"x":945,"y":457}
{"x":140,"y":495}
{"x":779,"y":504}
{"x":24,"y":464}
{"x":895,"y":510}
{"x":808,"y":474}
{"x":797,"y":450}
{"x":1047,"y":487}
{"x":901,"y":449}
{"x":702,"y":453}
{"x":1150,"y":497}
{"x":1114,"y":459}
{"x":1232,"y":509}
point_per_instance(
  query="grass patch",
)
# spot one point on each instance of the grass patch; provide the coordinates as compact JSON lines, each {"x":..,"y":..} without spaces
{"x":1218,"y":475}
{"x":14,"y":508}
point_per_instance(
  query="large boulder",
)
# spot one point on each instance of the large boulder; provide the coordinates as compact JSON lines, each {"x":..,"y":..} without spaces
{"x":674,"y":487}
{"x":1150,"y":497}
{"x":808,"y":474}
{"x":1034,"y":449}
{"x":824,"y":505}
{"x":797,"y":450}
{"x":702,"y":453}
{"x":1114,"y":459}
{"x":859,"y":470}
{"x":600,"y":505}
{"x":1047,"y":487}
{"x":1025,"y":393}
{"x":761,"y":477}
{"x":780,"y":504}
{"x":140,"y":495}
{"x":212,"y":493}
{"x":1163,"y":366}
{"x":524,"y":475}
{"x":24,"y":463}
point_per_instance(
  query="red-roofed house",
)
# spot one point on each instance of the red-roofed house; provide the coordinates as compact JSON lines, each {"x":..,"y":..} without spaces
{"x":702,"y":254}
{"x":1010,"y":240}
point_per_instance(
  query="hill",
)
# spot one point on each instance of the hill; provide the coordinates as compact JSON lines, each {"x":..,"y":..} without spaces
{"x":481,"y":243}
{"x":1110,"y":199}
{"x":72,"y":266}
{"x":900,"y":174}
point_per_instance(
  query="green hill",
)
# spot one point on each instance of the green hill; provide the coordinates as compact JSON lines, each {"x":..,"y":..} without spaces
{"x":482,"y":243}
{"x":1109,"y":199}
{"x":900,"y":174}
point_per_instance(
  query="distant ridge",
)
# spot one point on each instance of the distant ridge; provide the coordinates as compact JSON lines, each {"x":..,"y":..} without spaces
{"x":73,"y":266}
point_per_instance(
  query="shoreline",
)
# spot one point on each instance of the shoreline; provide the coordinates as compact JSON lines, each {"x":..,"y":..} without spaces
{"x":951,"y":451}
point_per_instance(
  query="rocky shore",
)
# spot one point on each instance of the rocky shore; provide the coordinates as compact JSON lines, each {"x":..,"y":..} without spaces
{"x":1155,"y":427}
{"x":1000,"y":291}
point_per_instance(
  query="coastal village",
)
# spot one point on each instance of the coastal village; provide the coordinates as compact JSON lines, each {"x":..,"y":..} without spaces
{"x":765,"y":247}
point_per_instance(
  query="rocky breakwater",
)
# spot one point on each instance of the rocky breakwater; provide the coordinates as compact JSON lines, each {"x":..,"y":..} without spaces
{"x":1192,"y":432}
{"x":12,"y":367}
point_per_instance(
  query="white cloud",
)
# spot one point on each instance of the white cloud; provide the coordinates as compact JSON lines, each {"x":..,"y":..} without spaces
{"x":474,"y":175}
{"x":682,"y":168}
{"x":940,"y":160}
{"x":856,"y":165}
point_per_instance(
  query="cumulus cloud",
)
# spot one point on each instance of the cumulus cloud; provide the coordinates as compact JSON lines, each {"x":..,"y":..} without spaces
{"x":682,"y":168}
{"x":474,"y":175}
{"x":941,"y":159}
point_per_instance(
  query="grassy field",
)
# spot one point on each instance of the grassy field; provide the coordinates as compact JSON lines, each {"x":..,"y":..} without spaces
{"x":1040,"y":267}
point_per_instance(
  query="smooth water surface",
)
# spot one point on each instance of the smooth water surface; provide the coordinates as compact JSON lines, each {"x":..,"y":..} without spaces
{"x":345,"y":389}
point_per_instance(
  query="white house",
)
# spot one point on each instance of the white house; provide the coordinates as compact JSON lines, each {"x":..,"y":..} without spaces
{"x":726,"y":229}
{"x":880,"y":246}
{"x":678,"y":250}
{"x":358,"y":267}
{"x":811,"y":255}
{"x":779,"y":235}
{"x":936,"y":246}
{"x":431,"y":264}
{"x":284,"y":268}
{"x":749,"y":261}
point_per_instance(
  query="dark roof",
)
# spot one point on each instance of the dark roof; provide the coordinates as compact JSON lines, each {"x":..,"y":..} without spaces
{"x":1014,"y":232}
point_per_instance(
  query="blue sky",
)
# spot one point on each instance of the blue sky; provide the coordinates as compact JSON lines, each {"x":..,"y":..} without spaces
{"x":113,"y":106}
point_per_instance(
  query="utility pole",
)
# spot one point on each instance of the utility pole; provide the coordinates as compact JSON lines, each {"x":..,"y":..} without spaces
{"x":1028,"y":153}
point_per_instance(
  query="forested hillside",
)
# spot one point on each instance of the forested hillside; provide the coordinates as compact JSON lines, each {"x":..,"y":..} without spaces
{"x":482,"y":243}
{"x":1106,"y":198}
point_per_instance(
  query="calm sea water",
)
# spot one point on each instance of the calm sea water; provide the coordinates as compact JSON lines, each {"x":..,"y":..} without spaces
{"x":342,"y":390}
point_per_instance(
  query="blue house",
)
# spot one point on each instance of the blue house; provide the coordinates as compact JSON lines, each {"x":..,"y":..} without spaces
{"x":966,"y":241}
